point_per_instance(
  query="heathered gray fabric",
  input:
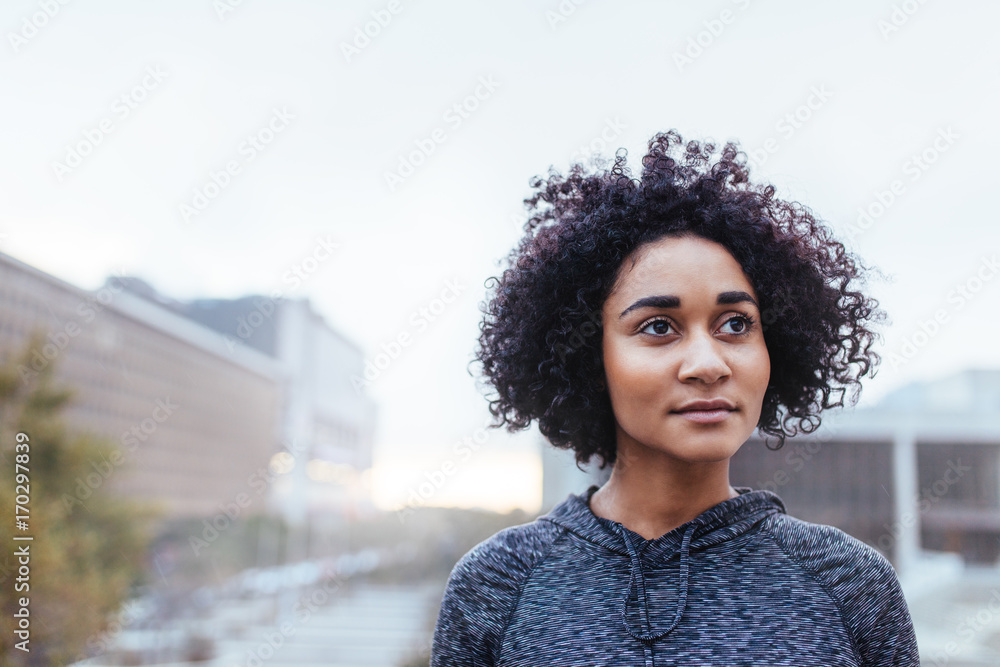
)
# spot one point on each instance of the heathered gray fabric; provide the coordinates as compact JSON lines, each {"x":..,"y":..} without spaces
{"x":741,"y":584}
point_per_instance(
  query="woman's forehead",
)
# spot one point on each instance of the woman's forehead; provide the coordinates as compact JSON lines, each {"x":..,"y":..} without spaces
{"x":680,"y":263}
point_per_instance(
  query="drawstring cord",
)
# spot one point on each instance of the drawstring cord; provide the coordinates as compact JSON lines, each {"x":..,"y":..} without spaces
{"x":636,"y":577}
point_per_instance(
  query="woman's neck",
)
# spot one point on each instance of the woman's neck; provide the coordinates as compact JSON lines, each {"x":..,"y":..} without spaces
{"x":651,"y":493}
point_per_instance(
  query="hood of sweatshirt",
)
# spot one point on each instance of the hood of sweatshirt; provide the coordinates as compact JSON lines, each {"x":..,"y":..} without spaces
{"x":716,"y":525}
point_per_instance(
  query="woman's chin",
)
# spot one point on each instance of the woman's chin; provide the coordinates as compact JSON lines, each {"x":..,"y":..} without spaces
{"x":708,"y":451}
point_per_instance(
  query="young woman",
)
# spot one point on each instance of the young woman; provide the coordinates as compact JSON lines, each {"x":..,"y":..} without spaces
{"x":655,"y":323}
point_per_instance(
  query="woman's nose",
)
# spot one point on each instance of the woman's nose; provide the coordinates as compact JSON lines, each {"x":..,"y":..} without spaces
{"x":703,"y":360}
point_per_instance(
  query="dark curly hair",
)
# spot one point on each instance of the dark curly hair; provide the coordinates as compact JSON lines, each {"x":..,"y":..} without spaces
{"x":540,"y":347}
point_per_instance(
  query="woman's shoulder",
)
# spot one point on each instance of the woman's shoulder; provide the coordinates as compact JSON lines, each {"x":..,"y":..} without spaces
{"x":860,"y":579}
{"x":508,"y":556}
{"x":862,"y":582}
{"x":827,"y":550}
{"x":482,"y":590}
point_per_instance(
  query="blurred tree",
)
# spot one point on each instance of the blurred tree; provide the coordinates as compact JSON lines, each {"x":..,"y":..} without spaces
{"x":86,"y":554}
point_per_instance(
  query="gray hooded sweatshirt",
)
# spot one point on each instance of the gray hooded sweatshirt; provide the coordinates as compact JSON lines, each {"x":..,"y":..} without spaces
{"x":741,"y":584}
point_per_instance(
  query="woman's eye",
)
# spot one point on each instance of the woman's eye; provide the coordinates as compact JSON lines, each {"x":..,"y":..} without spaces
{"x":658,"y":327}
{"x":737,"y":325}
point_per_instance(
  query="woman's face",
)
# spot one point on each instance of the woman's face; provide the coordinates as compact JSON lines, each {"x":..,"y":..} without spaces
{"x":680,"y":326}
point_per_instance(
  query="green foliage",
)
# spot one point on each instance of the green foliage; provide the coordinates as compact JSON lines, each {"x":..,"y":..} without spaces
{"x":86,"y":555}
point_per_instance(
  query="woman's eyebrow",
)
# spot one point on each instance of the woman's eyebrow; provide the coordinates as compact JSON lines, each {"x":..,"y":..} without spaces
{"x":735,"y":296}
{"x":671,"y":301}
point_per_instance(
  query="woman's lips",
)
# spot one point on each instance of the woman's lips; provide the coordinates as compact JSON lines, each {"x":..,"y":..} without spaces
{"x":705,"y":416}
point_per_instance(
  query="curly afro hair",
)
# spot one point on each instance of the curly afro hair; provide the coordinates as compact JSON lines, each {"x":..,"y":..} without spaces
{"x":540,"y":343}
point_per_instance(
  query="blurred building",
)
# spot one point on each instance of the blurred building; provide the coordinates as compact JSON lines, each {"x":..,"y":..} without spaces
{"x":193,"y":421}
{"x":919,"y":471}
{"x":203,"y":418}
{"x":328,"y":423}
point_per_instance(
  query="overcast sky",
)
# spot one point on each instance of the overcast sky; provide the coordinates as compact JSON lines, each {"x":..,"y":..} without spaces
{"x":207,"y":146}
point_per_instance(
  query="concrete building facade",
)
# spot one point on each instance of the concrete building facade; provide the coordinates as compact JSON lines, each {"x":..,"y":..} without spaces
{"x":327,"y":425}
{"x":194,"y":422}
{"x":207,"y":400}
